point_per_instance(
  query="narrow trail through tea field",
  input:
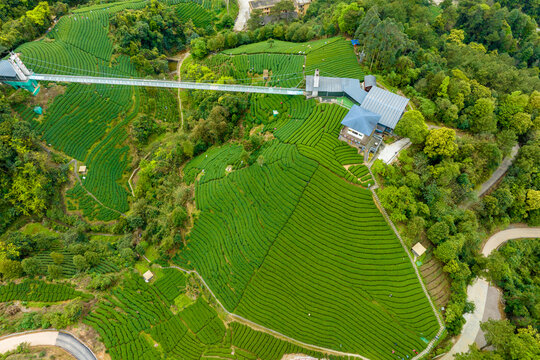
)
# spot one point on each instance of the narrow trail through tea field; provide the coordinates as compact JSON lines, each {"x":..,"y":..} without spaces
{"x":183,"y":57}
{"x":75,"y":172}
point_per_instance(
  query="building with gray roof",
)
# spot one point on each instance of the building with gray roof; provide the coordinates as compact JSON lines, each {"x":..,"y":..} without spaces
{"x":335,"y":87}
{"x":369,"y":82}
{"x":7,"y":72}
{"x":387,"y":104}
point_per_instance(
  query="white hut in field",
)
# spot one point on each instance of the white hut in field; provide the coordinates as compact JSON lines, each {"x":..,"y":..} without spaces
{"x":418,"y":249}
{"x":147,"y":276}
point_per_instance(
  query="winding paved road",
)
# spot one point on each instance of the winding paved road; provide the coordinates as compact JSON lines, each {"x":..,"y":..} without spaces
{"x":499,"y":172}
{"x":478,"y":291}
{"x":61,"y":339}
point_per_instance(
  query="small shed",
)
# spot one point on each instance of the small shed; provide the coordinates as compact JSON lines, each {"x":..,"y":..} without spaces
{"x":147,"y":276}
{"x":369,"y":82}
{"x":38,"y":110}
{"x":82,"y":169}
{"x":418,"y":249}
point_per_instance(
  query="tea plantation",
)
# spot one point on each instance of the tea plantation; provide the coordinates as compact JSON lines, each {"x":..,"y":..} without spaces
{"x":292,"y":246}
{"x":136,"y":322}
{"x":89,"y":122}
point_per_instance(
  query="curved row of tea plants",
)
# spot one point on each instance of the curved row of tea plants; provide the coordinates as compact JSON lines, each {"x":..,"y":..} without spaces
{"x":290,"y":245}
{"x":335,"y":59}
{"x":39,"y":290}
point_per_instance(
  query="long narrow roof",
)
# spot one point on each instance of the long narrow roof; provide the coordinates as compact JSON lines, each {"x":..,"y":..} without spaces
{"x":348,"y":86}
{"x":387,"y":104}
{"x":361,"y":120}
{"x":352,"y":88}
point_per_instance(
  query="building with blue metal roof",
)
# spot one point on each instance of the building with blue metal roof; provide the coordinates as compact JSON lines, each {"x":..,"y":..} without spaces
{"x":361,"y":120}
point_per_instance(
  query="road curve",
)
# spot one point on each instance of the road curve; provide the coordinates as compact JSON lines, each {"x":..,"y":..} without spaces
{"x":499,"y":172}
{"x":503,"y":236}
{"x":61,"y":339}
{"x":478,"y":291}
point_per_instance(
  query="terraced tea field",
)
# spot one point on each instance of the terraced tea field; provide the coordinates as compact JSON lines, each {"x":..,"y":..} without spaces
{"x":292,"y":246}
{"x":88,"y":122}
{"x":135,"y":322}
{"x":198,"y":14}
{"x":281,"y":47}
{"x":335,"y":59}
{"x":34,"y":290}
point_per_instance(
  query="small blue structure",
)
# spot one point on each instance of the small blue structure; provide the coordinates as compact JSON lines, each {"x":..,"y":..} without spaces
{"x":38,"y":110}
{"x":355,"y":42}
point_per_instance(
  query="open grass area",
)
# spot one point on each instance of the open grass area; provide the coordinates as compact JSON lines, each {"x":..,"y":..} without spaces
{"x":152,"y":253}
{"x":36,"y":228}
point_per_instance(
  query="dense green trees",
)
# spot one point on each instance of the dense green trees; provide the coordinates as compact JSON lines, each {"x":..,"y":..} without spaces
{"x":147,"y":34}
{"x":26,"y":178}
{"x":441,"y":143}
{"x":514,"y":268}
{"x":412,"y":126}
{"x":509,"y":343}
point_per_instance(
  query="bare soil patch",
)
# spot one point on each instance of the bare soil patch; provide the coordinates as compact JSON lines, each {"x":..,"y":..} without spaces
{"x":90,"y":337}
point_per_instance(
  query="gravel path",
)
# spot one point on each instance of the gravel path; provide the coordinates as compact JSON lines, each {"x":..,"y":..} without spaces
{"x":243,"y":15}
{"x":479,"y":290}
{"x":63,"y":340}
